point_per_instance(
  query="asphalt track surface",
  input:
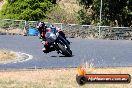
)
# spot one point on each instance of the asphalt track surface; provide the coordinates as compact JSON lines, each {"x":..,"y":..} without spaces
{"x":99,"y":53}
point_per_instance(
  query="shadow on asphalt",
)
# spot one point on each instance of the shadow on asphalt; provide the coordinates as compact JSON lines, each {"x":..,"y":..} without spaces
{"x":61,"y":56}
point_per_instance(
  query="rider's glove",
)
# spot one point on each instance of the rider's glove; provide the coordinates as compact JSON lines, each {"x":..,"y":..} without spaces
{"x":43,"y":42}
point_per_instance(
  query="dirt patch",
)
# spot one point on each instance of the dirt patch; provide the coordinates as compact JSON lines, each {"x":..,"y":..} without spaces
{"x":6,"y":55}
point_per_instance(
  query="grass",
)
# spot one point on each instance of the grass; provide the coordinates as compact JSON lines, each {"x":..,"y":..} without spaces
{"x":69,"y":6}
{"x":6,"y":55}
{"x":57,"y":78}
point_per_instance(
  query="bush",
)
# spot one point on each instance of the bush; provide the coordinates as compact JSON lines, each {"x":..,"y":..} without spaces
{"x":26,"y":9}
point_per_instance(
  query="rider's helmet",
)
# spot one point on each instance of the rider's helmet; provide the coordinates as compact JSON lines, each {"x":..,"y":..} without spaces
{"x":41,"y":25}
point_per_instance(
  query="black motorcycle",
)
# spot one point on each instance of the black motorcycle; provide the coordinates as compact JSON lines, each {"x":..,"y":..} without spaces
{"x":59,"y":43}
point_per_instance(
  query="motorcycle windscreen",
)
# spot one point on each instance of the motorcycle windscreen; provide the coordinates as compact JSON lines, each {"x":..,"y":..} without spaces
{"x":50,"y":37}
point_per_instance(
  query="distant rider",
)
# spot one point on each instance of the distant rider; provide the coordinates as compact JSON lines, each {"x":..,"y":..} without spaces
{"x":43,"y":28}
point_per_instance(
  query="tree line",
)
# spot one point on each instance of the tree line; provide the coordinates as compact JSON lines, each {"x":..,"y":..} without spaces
{"x":114,"y":12}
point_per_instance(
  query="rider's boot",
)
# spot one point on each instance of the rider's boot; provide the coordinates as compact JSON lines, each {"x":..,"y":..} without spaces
{"x":45,"y":50}
{"x":52,"y":49}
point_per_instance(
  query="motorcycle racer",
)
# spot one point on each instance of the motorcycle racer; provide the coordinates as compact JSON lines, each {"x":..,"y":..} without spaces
{"x":43,"y":28}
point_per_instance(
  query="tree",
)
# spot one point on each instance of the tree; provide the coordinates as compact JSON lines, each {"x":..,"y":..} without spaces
{"x":114,"y":12}
{"x":85,"y":3}
{"x":26,"y":9}
{"x":89,"y":13}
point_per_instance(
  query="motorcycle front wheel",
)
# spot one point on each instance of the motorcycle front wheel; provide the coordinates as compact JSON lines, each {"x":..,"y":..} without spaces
{"x":65,"y":51}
